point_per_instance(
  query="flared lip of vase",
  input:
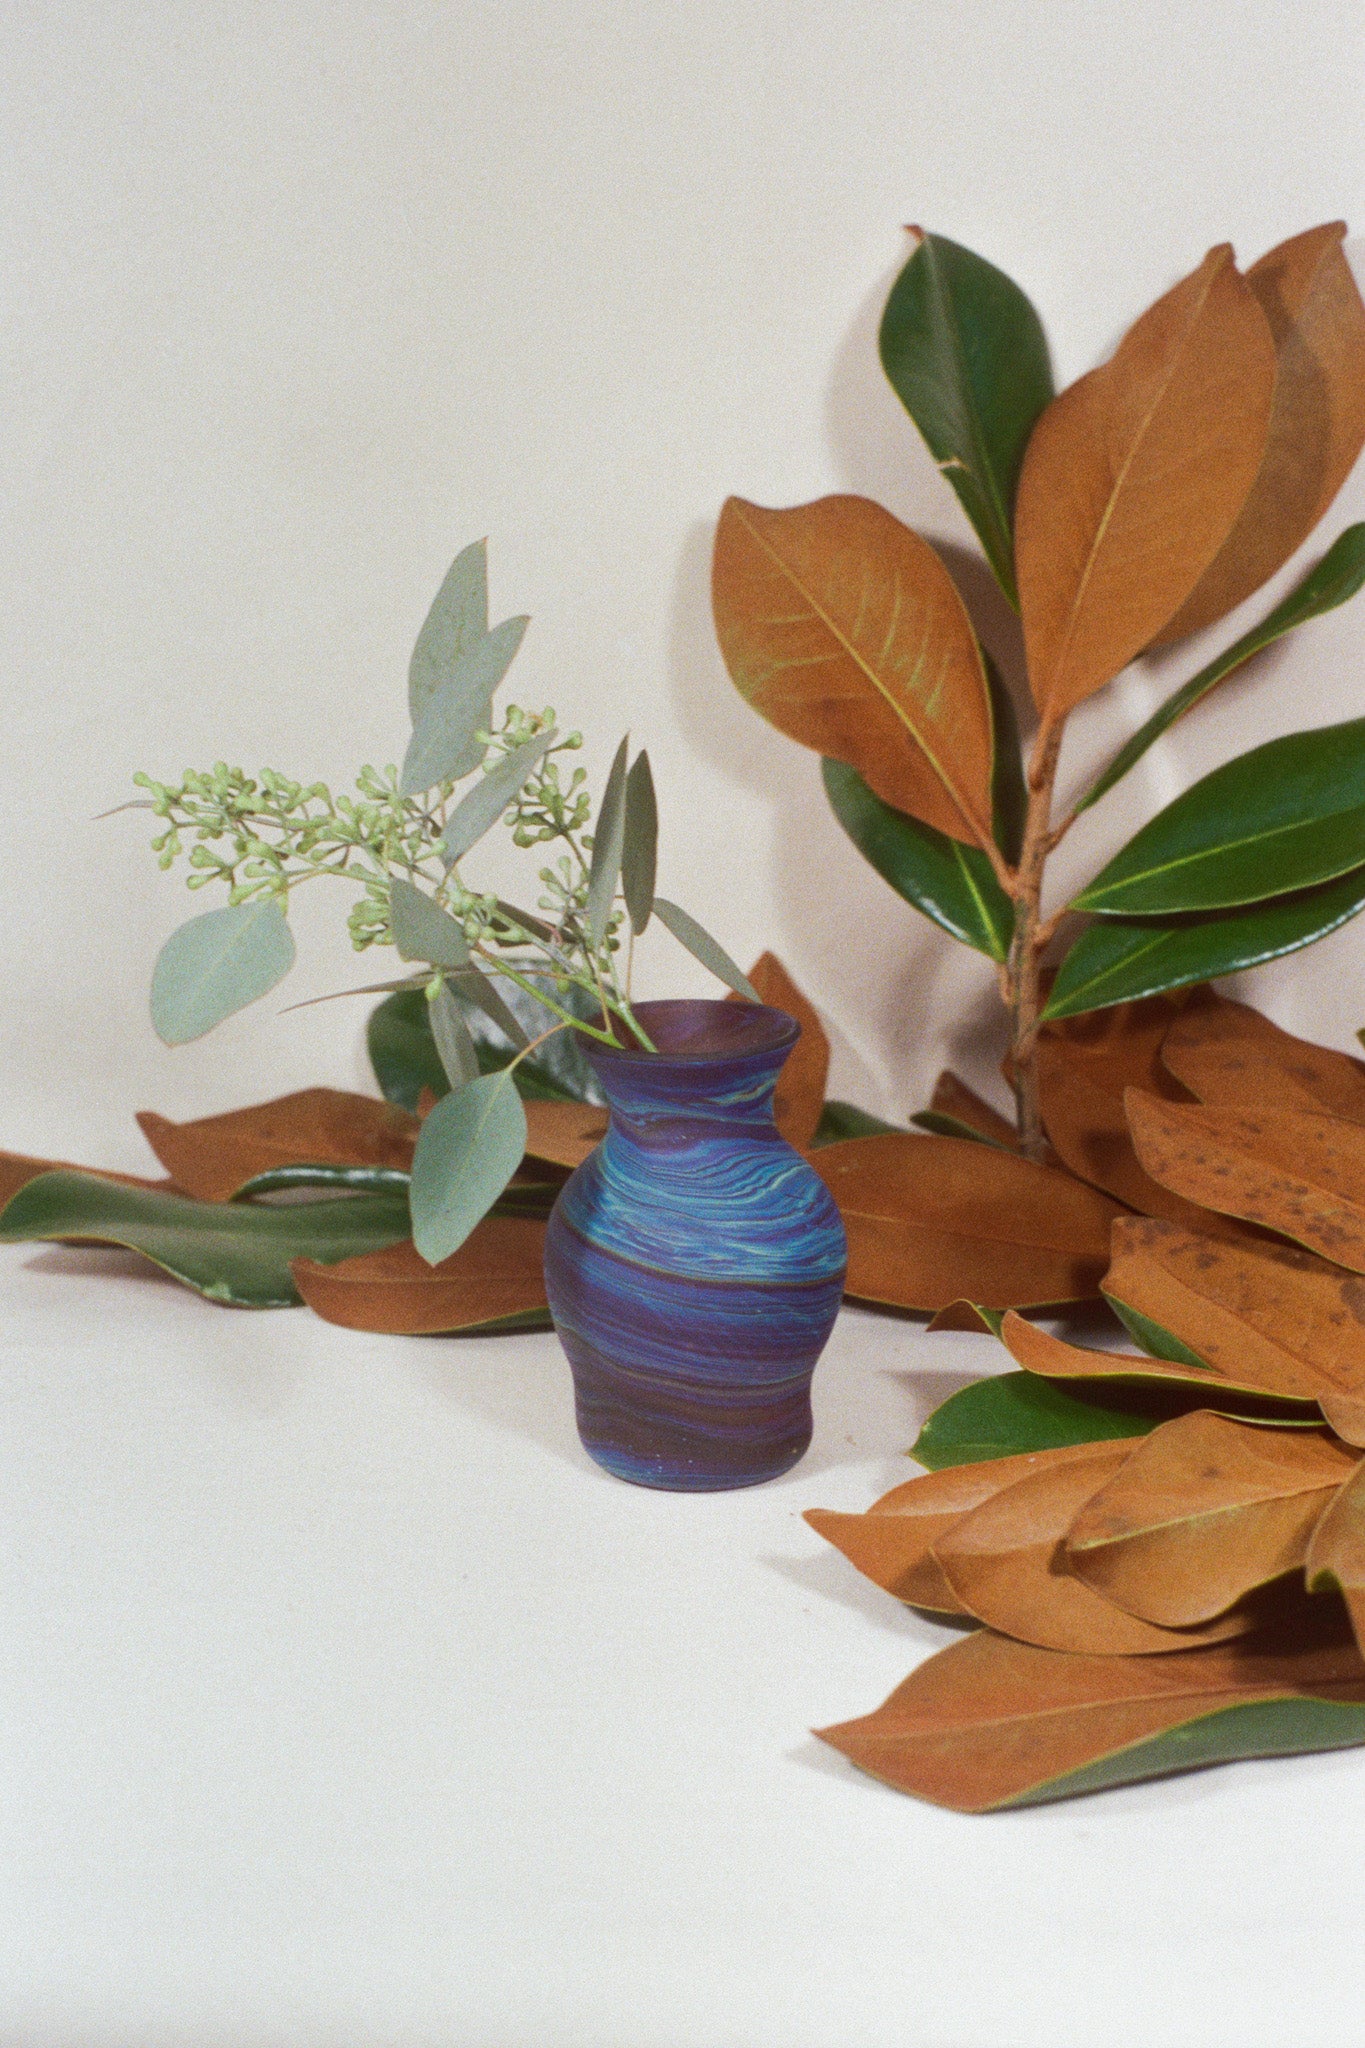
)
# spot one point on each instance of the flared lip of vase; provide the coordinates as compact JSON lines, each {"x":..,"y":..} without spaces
{"x":705,"y":1031}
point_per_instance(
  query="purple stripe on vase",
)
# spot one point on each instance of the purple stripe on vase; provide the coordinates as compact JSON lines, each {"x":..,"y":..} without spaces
{"x":695,"y":1263}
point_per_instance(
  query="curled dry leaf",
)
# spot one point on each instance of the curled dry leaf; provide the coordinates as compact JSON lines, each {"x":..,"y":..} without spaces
{"x":989,"y":1723}
{"x":1300,"y":1175}
{"x":953,"y":1098}
{"x":563,"y":1133}
{"x":1317,"y":419}
{"x":215,"y":1155}
{"x":1202,"y":1512}
{"x":845,"y":631}
{"x":1336,"y":1553}
{"x":497,"y":1273}
{"x":1134,"y":478}
{"x":1006,"y":1562}
{"x":1052,"y":1358}
{"x":800,"y":1094}
{"x":930,"y":1220}
{"x":1228,"y":1054}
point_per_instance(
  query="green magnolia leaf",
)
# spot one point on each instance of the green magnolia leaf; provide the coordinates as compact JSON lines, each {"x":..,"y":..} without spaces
{"x":1009,"y":791}
{"x":839,"y":1120}
{"x":1018,"y":1411}
{"x":965,"y":353}
{"x":402,"y":1050}
{"x":458,"y":1054}
{"x":703,"y":947}
{"x":1120,"y":960}
{"x":233,"y":1252}
{"x":422,"y":930}
{"x":1285,"y":816}
{"x":354,"y":1180}
{"x":640,"y":844}
{"x":468,"y":1149}
{"x":405,"y":1060}
{"x":477,"y":991}
{"x":558,"y":1070}
{"x":481,"y":807}
{"x":456,"y":623}
{"x":1337,"y":577}
{"x":944,"y":1126}
{"x":216,"y":964}
{"x":1156,"y":1340}
{"x":443,"y":747}
{"x":953,"y":884}
{"x":607,"y":845}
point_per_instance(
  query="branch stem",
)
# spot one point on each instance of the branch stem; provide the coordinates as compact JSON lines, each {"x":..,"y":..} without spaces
{"x":1030,"y":939}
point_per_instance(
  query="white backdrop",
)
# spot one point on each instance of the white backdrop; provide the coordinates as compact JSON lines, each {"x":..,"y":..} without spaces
{"x":301,"y":298}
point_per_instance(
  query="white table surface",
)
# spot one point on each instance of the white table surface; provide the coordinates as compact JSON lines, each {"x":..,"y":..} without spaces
{"x":346,"y":1702}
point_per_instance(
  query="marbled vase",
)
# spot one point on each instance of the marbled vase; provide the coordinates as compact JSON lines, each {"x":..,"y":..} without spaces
{"x":695,"y":1263}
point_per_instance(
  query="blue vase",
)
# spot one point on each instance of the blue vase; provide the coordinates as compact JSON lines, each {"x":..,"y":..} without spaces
{"x":695,"y":1262}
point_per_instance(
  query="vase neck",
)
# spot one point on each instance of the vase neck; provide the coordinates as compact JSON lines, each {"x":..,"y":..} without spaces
{"x":719,"y":1061}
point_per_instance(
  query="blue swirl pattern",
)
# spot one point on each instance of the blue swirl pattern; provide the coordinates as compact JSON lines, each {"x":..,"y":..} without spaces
{"x":695,"y":1263}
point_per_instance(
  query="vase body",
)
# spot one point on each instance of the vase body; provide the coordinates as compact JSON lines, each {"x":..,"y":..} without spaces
{"x":695,"y":1262}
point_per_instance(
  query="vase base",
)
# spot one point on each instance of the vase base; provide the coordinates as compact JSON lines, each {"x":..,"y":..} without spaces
{"x":672,"y":1475}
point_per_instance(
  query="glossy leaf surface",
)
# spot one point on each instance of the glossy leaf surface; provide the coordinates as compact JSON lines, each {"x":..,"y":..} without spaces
{"x":495,"y":1276}
{"x":216,"y":964}
{"x":470,"y":1146}
{"x":1014,"y":1412}
{"x":966,"y":356}
{"x":839,"y":1120}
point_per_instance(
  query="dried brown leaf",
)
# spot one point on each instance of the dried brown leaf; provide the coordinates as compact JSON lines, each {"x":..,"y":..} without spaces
{"x":215,"y":1155}
{"x":17,"y":1170}
{"x":1054,"y":1358}
{"x":952,"y":1097}
{"x":932,"y":1219}
{"x":1227,"y":1054}
{"x":800,"y":1093}
{"x":496,"y":1272}
{"x":1336,"y":1553}
{"x":1134,"y":478}
{"x":563,"y":1133}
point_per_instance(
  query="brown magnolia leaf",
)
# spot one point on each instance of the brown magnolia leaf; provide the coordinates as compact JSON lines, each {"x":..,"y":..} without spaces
{"x":1053,"y":1358}
{"x":960,"y":1315}
{"x":932,"y":1219}
{"x":1007,"y":1564}
{"x":17,"y":1170}
{"x":1204,"y":1511}
{"x":989,"y":1723}
{"x":952,"y":1097}
{"x":1227,"y":1053}
{"x":1300,"y":1175}
{"x":564,"y":1133}
{"x":1134,"y":477}
{"x":845,"y":631}
{"x":1317,"y":419}
{"x":800,"y":1093}
{"x":215,"y":1155}
{"x":1266,"y":1315}
{"x":497,"y":1272}
{"x":890,"y":1543}
{"x":1336,"y":1552}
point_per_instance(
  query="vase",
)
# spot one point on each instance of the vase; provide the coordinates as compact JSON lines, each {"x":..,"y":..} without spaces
{"x":694,"y":1263}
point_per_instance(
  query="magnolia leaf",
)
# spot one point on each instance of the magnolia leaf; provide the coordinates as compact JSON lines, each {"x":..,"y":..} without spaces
{"x":952,"y":883}
{"x":1133,"y":479}
{"x":564,"y":1133}
{"x":845,"y":631}
{"x":953,"y":1102}
{"x":1009,"y":789}
{"x":470,"y":1146}
{"x":1227,"y":1053}
{"x":1317,"y":420}
{"x":445,"y":745}
{"x":216,"y":964}
{"x":990,"y":1723}
{"x":495,"y":1280}
{"x":839,"y":1120}
{"x":17,"y":1169}
{"x":1120,"y":960}
{"x":799,"y":1097}
{"x":422,"y":930}
{"x":341,"y":1180}
{"x":967,"y":358}
{"x":1302,"y":1176}
{"x":481,"y":806}
{"x":1285,"y":816}
{"x":458,"y":1053}
{"x":1053,"y":1358}
{"x":1014,"y":1412}
{"x":456,"y":623}
{"x":1204,"y":1511}
{"x":640,"y":844}
{"x":402,"y":1050}
{"x":558,"y":1070}
{"x":608,"y":841}
{"x":930,"y":1219}
{"x":1337,"y":577}
{"x":703,"y":947}
{"x":478,"y":991}
{"x":1005,"y":1560}
{"x":233,"y":1252}
{"x":1336,"y":1550}
{"x":214,"y":1157}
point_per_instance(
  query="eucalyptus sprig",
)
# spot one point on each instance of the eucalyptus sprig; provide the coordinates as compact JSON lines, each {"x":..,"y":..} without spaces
{"x":402,"y":840}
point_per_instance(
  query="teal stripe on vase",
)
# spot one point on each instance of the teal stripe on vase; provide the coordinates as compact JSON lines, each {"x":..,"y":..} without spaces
{"x":695,"y":1262}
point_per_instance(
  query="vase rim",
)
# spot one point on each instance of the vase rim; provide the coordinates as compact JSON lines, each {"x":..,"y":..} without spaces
{"x":704,"y":1030}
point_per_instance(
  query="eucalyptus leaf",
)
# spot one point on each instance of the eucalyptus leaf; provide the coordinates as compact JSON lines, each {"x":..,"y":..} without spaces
{"x":232,"y":1252}
{"x":1120,"y":960}
{"x":558,"y":1069}
{"x":405,"y":1060}
{"x":458,"y":1054}
{"x":456,"y":623}
{"x":1285,"y":816}
{"x":608,"y":842}
{"x":703,"y":947}
{"x":951,"y":883}
{"x":965,"y":353}
{"x":443,"y":747}
{"x":640,"y":844}
{"x":1019,"y":1411}
{"x":480,"y":807}
{"x":216,"y":964}
{"x":422,"y":930}
{"x":469,"y":1147}
{"x":402,"y":1050}
{"x":1337,"y":577}
{"x":476,"y":990}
